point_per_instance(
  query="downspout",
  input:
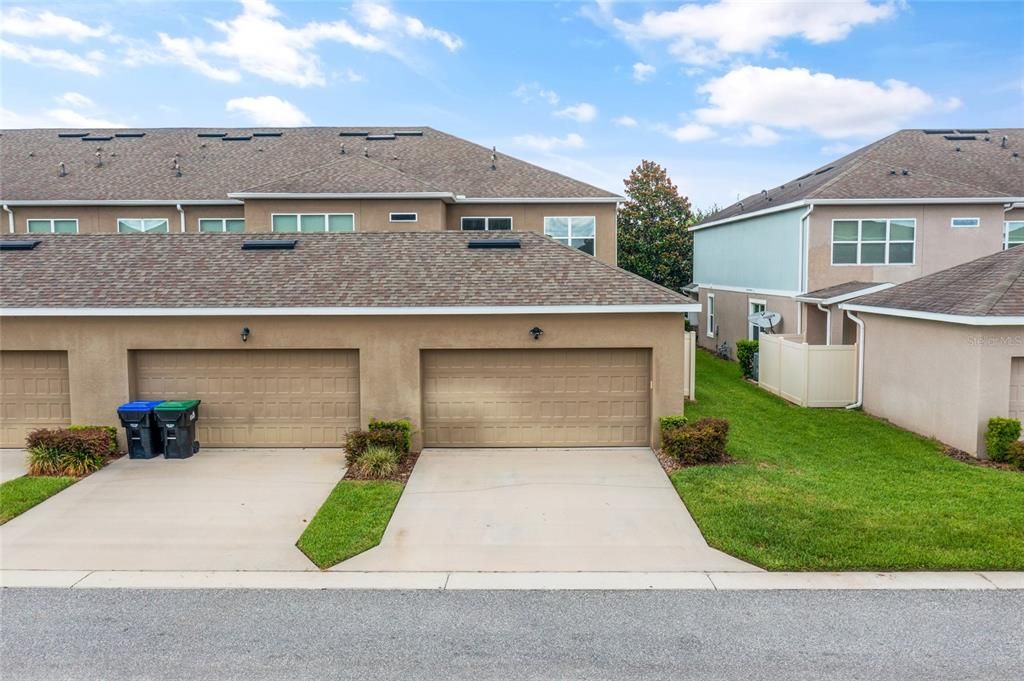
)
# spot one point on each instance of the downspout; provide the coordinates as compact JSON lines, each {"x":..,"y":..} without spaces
{"x":10,"y":218}
{"x":181,"y":214}
{"x":828,"y":323}
{"x":805,"y":236}
{"x":860,"y":361}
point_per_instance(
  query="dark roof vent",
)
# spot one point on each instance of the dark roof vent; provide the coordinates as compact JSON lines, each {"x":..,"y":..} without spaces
{"x":236,"y":138}
{"x":129,"y":134}
{"x":385,"y":136}
{"x":267,"y":133}
{"x":940,"y":131}
{"x":494,"y":243}
{"x":352,"y":133}
{"x":409,"y":133}
{"x":19,"y":244}
{"x":972,"y":131}
{"x":823,"y":170}
{"x":269,"y":244}
{"x":98,"y":138}
{"x":211,"y":134}
{"x":73,"y":134}
{"x":960,"y":137}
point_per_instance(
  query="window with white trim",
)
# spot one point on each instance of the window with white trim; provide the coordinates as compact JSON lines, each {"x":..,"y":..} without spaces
{"x":486,"y":224}
{"x":221,"y":225}
{"x":403,"y":217}
{"x":711,"y":316}
{"x":755,"y":307}
{"x":309,"y":223}
{"x":960,"y":223}
{"x":53,"y":226}
{"x":875,"y":241}
{"x":142,"y":225}
{"x":578,"y":232}
{"x":1013,"y":233}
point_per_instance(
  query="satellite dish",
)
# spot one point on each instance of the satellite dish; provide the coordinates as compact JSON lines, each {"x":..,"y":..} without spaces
{"x":766,"y":320}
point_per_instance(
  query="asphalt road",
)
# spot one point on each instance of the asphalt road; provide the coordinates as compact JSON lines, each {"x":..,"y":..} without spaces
{"x":252,"y":635}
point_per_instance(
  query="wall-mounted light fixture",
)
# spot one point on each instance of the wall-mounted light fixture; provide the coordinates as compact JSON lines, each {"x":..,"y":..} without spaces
{"x":536,"y":332}
{"x":245,"y":333}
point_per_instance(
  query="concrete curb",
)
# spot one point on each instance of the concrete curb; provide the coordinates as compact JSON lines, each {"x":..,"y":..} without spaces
{"x":531,"y":581}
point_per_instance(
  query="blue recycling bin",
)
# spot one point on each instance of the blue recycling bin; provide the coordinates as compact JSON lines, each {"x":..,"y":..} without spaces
{"x":141,"y":428}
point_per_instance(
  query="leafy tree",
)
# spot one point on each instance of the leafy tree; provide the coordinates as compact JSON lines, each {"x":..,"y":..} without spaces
{"x":653,"y":241}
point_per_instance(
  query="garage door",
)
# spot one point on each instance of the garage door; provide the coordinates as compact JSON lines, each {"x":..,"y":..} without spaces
{"x":258,"y":398}
{"x":536,"y":398}
{"x":34,"y":394}
{"x":1017,"y":388}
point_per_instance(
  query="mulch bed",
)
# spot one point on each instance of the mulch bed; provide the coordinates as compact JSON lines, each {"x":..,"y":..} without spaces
{"x":961,"y":455}
{"x":671,"y":464}
{"x":401,"y":473}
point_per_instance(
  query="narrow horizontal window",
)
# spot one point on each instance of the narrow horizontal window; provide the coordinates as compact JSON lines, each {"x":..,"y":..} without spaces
{"x":142,"y":225}
{"x":965,"y":222}
{"x":310,"y":223}
{"x":221,"y":225}
{"x":403,"y":217}
{"x":53,"y":226}
{"x":486,"y":224}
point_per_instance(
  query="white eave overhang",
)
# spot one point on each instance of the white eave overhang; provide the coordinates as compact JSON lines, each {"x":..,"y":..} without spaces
{"x":125,"y":202}
{"x":987,"y":320}
{"x":677,"y":308}
{"x":447,"y":197}
{"x":845,"y":296}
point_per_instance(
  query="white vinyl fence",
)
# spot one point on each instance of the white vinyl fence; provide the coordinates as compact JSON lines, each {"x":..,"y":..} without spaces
{"x":808,"y":375}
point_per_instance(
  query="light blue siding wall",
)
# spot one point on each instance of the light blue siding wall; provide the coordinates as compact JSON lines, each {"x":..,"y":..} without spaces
{"x":759,"y":253}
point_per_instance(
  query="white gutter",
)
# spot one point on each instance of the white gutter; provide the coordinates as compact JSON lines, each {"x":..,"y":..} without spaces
{"x":1011,"y":206}
{"x":828,"y":323}
{"x":181,"y":215}
{"x":343,"y":195}
{"x":128,"y":202}
{"x":536,"y":199}
{"x":10,"y":218}
{"x":988,"y":320}
{"x":765,"y":211}
{"x":846,"y":296}
{"x":860,"y":361}
{"x":341,"y":311}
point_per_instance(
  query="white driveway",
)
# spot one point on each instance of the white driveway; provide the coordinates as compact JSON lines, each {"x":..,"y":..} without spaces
{"x":222,"y":509}
{"x":537,"y":510}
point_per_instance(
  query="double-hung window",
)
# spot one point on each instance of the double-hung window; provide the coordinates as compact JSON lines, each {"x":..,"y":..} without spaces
{"x":1013,"y":233}
{"x":313,"y":222}
{"x":142,"y":225}
{"x":487,"y":224}
{"x":711,"y":316}
{"x":578,"y":232}
{"x":55,"y":226}
{"x":755,"y":307}
{"x":880,"y":241}
{"x":221,"y":225}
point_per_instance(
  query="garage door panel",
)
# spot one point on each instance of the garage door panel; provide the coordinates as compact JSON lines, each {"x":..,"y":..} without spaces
{"x":536,"y":397}
{"x":34,"y":393}
{"x":259,"y":398}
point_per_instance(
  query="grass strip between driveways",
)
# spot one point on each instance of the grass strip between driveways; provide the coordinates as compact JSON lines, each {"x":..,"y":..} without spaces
{"x":20,"y":494}
{"x":832,"y":489}
{"x":351,"y":521}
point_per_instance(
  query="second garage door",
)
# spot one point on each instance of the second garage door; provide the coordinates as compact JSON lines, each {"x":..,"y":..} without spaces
{"x":536,"y":398}
{"x":258,"y":398}
{"x":33,"y":394}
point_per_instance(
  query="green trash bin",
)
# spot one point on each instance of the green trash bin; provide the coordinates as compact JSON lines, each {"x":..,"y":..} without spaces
{"x":177,"y":420}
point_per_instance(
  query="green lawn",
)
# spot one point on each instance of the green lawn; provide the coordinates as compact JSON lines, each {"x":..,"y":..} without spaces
{"x":831,"y":489}
{"x":351,"y":521}
{"x":20,"y":494}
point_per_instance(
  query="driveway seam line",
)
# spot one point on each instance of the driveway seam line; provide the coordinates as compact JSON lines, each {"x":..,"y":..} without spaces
{"x":985,"y":577}
{"x":79,"y":581}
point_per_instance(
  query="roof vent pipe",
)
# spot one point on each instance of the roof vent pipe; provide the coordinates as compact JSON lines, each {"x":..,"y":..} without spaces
{"x":62,"y":169}
{"x":366,"y":152}
{"x":494,"y":158}
{"x":342,"y":148}
{"x":1003,"y":143}
{"x":99,"y":158}
{"x":176,"y":166}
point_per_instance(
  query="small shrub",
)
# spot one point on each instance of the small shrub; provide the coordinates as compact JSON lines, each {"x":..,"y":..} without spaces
{"x":403,"y":425}
{"x":700,"y":442}
{"x":667,"y":423}
{"x":358,"y":441}
{"x":110,"y":430}
{"x":378,"y":462}
{"x":1015,"y":455}
{"x":69,"y":451}
{"x":745,"y":350}
{"x":1001,"y":433}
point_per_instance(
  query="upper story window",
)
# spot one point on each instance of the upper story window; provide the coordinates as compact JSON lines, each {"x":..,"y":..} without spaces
{"x":220,"y":225}
{"x":403,"y":217}
{"x":142,"y":225}
{"x":486,"y":224}
{"x":55,"y":226}
{"x":1013,"y":234}
{"x":313,"y":222}
{"x":873,"y":242}
{"x":964,"y":222}
{"x":578,"y":232}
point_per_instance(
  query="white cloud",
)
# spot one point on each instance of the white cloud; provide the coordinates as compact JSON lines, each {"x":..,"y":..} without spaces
{"x":625,"y":121}
{"x":185,"y":51}
{"x":54,"y":118}
{"x":756,"y":136}
{"x":642,"y":71}
{"x":838,"y":149}
{"x":75,"y":99}
{"x":796,"y":99}
{"x":709,"y":33}
{"x":583,"y":112}
{"x":548,"y":144}
{"x":45,"y":24}
{"x":691,"y":132}
{"x":268,"y":110}
{"x":380,"y":17}
{"x":527,"y":92}
{"x":52,"y":58}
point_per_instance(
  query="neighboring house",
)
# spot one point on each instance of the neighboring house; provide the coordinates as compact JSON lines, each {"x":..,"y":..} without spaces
{"x":294,"y":180}
{"x":908,"y":205}
{"x":481,"y":338}
{"x":944,"y":353}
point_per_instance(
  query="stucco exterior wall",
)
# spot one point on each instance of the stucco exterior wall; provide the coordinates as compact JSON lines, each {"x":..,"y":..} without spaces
{"x":938,"y":379}
{"x":389,"y":349}
{"x":938,"y":246}
{"x":759,"y":253}
{"x":370,"y":215}
{"x":815,"y":321}
{"x":731,"y":311}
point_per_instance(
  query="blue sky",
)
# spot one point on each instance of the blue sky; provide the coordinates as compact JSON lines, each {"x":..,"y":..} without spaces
{"x":730,"y":96}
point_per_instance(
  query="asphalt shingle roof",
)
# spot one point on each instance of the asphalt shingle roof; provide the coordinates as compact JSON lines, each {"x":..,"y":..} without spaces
{"x":936,"y":167}
{"x":839,"y":290}
{"x":385,"y":269}
{"x":992,"y":286}
{"x":301,"y":160}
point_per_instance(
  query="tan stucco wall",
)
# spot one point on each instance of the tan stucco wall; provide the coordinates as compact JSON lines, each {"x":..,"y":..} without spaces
{"x":844,"y":331}
{"x":389,"y":349}
{"x":530,"y":218}
{"x":938,"y":379}
{"x":937,"y":245}
{"x":99,"y":219}
{"x":370,"y":215}
{"x":731,"y":311}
